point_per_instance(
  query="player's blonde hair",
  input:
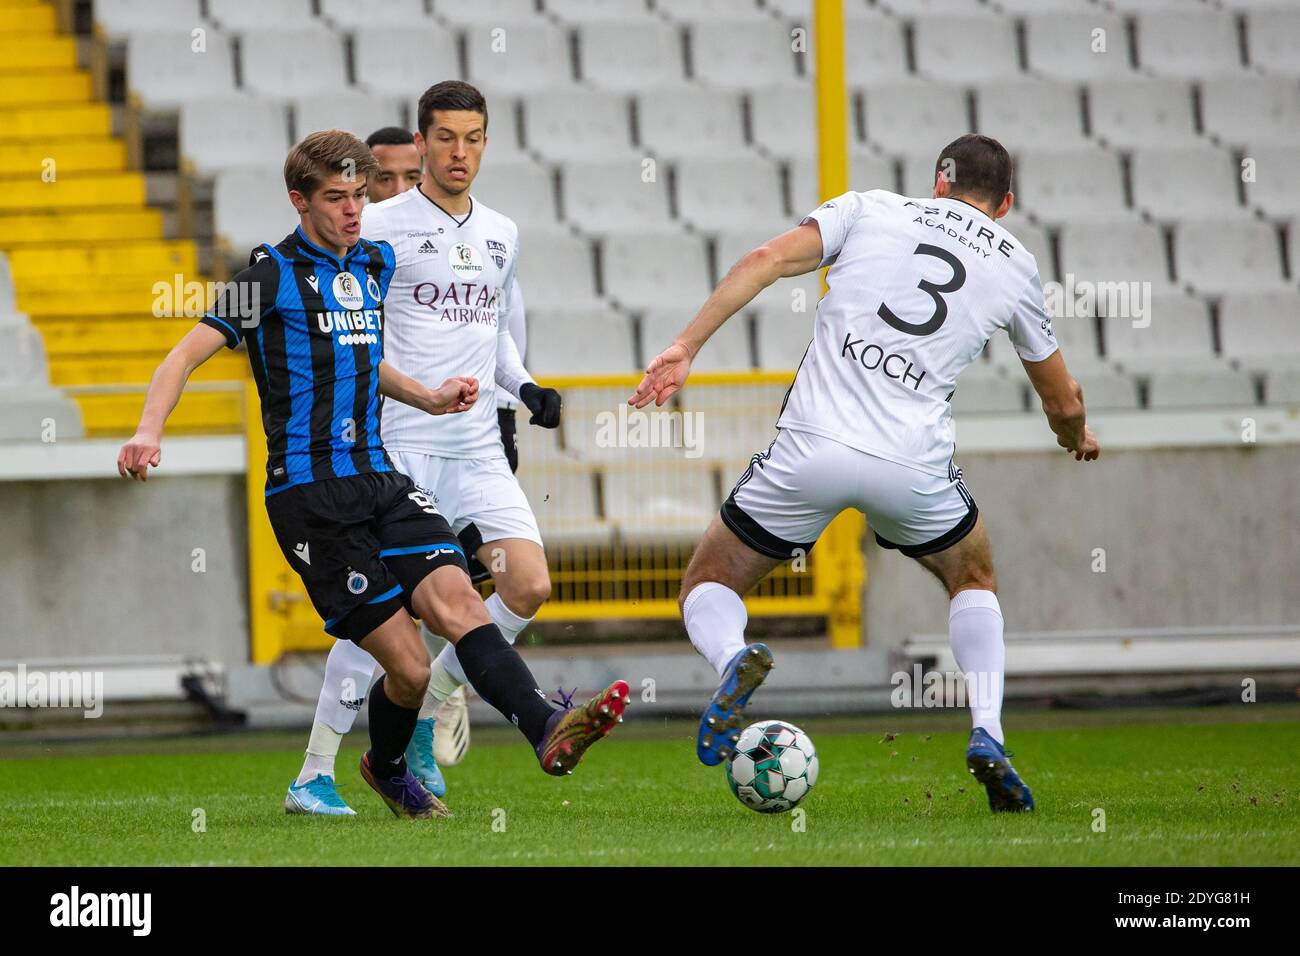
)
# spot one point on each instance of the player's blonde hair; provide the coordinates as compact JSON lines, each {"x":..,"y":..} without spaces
{"x":325,"y":154}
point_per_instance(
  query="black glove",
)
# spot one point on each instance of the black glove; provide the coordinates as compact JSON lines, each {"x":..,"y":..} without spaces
{"x":544,"y":403}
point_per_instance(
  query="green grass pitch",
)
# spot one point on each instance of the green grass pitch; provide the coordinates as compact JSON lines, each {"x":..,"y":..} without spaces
{"x":1177,"y":787}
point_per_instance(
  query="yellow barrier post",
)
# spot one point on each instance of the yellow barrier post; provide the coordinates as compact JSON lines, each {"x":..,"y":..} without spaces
{"x":841,"y":570}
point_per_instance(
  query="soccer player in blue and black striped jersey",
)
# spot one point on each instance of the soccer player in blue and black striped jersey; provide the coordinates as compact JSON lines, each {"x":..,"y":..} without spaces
{"x":368,"y":545}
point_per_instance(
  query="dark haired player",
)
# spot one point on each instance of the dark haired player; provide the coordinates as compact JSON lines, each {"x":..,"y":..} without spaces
{"x":917,"y":287}
{"x":368,"y":545}
{"x":400,"y":163}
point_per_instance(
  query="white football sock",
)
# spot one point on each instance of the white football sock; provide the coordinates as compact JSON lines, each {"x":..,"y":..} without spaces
{"x":975,"y":630}
{"x":348,"y":672}
{"x":715,"y":619}
{"x":446,"y":674}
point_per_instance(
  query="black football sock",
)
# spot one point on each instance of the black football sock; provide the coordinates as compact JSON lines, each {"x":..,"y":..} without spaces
{"x":501,"y":678}
{"x":391,"y":727}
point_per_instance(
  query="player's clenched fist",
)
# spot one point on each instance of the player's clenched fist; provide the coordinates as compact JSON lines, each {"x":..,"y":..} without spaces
{"x":665,"y":374}
{"x":1086,"y":449}
{"x":457,"y":394}
{"x":137,"y":455}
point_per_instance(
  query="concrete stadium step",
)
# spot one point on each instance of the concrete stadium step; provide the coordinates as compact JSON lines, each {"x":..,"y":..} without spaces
{"x":49,"y":123}
{"x":100,"y":190}
{"x":225,"y":366}
{"x":36,"y":53}
{"x":115,"y":225}
{"x":27,"y":18}
{"x":160,"y":258}
{"x":49,"y":87}
{"x":23,"y":160}
{"x":65,"y":338}
{"x":199,"y":413}
{"x":27,"y":410}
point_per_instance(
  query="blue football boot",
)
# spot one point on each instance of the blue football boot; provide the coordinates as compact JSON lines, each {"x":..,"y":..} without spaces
{"x":988,"y":761}
{"x":419,"y":757}
{"x":318,"y":796}
{"x":720,"y":723}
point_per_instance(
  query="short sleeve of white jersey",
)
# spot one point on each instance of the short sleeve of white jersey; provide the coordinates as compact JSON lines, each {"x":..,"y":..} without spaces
{"x":835,"y":218}
{"x":1031,"y":327}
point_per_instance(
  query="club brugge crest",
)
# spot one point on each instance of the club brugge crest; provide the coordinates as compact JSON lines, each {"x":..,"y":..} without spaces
{"x":357,"y":582}
{"x":347,"y":290}
{"x":372,"y":287}
{"x":465,"y":260}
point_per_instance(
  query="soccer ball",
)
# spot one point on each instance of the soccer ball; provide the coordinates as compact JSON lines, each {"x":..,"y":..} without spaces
{"x":773,"y":767}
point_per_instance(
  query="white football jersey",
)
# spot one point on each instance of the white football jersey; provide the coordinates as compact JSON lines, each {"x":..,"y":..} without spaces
{"x":916,"y":288}
{"x":448,"y":312}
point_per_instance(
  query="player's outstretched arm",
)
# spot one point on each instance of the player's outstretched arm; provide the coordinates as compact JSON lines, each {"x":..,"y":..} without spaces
{"x":457,"y":394}
{"x":792,"y":253}
{"x":145,"y":447}
{"x":1062,"y":400}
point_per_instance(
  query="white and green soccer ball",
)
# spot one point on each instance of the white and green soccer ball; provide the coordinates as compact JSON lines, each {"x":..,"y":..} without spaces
{"x":774,"y":766}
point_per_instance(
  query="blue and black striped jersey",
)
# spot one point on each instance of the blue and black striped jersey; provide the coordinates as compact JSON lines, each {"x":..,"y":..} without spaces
{"x":314,"y":328}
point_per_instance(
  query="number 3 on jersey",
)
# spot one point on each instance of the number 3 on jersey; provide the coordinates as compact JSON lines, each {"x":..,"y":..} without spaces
{"x":932,"y":289}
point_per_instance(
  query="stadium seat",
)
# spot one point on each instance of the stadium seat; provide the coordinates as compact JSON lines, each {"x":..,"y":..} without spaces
{"x":1254,"y":110}
{"x":1260,"y":327}
{"x":983,"y":390}
{"x":1023,"y":7}
{"x":647,"y":503}
{"x":665,"y":269}
{"x":240,"y":132}
{"x":520,"y":189}
{"x":598,"y":11}
{"x":557,"y":271}
{"x":782,"y":338}
{"x":737,"y":54}
{"x":491,"y":12}
{"x":1142,"y":112}
{"x":1024,"y":113}
{"x":22,"y":362}
{"x":1163,"y":179}
{"x":743,"y":193}
{"x":582,"y":341}
{"x":1188,"y":43}
{"x":966,"y":50}
{"x":866,"y":172}
{"x":1033,"y":238}
{"x":1275,"y":191}
{"x":1105,"y":390}
{"x":727,"y":350}
{"x":1177,"y":329}
{"x":123,"y":18}
{"x":1217,"y":256}
{"x":631,"y":56}
{"x":734,"y":421}
{"x":563,"y":497}
{"x":603,"y":198}
{"x":1201,"y":388}
{"x":914,"y":117}
{"x":1273,"y":43}
{"x":1083,"y":46}
{"x":1282,"y":386}
{"x":691,"y":122}
{"x":1123,"y":251}
{"x":249,"y":208}
{"x":358,"y":113}
{"x":693,"y":11}
{"x":388,"y":58}
{"x":919,"y":174}
{"x":879,"y":51}
{"x":794,"y":296}
{"x":164,"y":71}
{"x":578,"y":124}
{"x":783,"y":120}
{"x":283,"y":64}
{"x":239,"y":16}
{"x":1078,"y":185}
{"x":935,"y":8}
{"x":525,"y":58}
{"x":351,"y":15}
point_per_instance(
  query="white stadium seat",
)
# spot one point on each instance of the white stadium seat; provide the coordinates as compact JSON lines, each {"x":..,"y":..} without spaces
{"x":520,"y":58}
{"x":966,"y":50}
{"x":250,"y":208}
{"x":164,"y":70}
{"x":1024,"y":113}
{"x":1218,"y":256}
{"x":498,"y":13}
{"x":914,"y":117}
{"x":1175,"y":328}
{"x":782,"y":337}
{"x":1275,"y":191}
{"x":579,"y":342}
{"x":1261,"y":326}
{"x":387,"y":59}
{"x":563,"y":498}
{"x":521,"y":189}
{"x":1282,"y":385}
{"x":1142,"y":112}
{"x":658,"y":269}
{"x":1121,"y":251}
{"x":1163,"y":179}
{"x":597,"y":11}
{"x":691,"y":121}
{"x":726,"y":351}
{"x":1188,"y":43}
{"x":1274,"y":40}
{"x":784,"y":120}
{"x":610,"y":197}
{"x":578,"y":124}
{"x":1201,"y":388}
{"x":935,"y":8}
{"x":1255,"y":110}
{"x":733,"y":423}
{"x":283,"y":65}
{"x":647,"y":504}
{"x":122,"y":18}
{"x":735,"y":54}
{"x":1033,"y":238}
{"x":239,"y":132}
{"x":238,"y":16}
{"x":875,"y":50}
{"x":358,"y":113}
{"x":743,"y":193}
{"x":693,"y":11}
{"x":866,"y":172}
{"x":351,"y":15}
{"x":556,"y":271}
{"x":1083,"y":46}
{"x":1074,"y":185}
{"x":630,"y":57}
{"x":983,"y":390}
{"x":1105,"y":389}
